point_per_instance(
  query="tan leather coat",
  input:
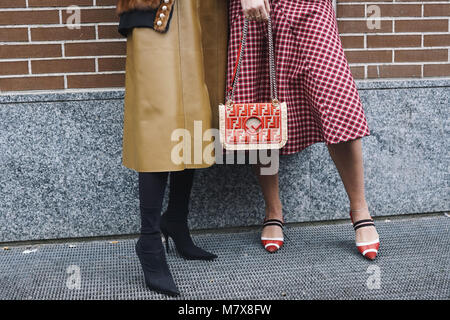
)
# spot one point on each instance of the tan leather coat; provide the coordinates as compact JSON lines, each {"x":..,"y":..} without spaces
{"x":174,"y":81}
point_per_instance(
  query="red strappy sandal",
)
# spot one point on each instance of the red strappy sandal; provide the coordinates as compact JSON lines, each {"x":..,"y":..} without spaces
{"x":272,"y":244}
{"x":369,"y":249}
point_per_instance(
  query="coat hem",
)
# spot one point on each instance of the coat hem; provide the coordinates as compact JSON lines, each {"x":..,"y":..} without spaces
{"x":166,"y":169}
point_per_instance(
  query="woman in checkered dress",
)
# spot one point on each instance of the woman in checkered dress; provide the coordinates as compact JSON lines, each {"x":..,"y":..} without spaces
{"x":315,"y":81}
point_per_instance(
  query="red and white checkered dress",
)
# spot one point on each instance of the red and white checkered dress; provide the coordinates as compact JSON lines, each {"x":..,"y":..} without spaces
{"x":313,"y":75}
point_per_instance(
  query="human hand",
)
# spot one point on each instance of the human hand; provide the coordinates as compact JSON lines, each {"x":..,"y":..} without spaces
{"x":256,"y":10}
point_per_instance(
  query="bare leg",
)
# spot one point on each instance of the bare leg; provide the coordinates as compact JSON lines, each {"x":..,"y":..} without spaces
{"x":347,"y":157}
{"x":274,"y":209}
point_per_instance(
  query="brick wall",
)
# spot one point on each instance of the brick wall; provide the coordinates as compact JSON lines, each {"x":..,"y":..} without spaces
{"x":412,"y":39}
{"x":39,"y":52}
{"x":382,"y":39}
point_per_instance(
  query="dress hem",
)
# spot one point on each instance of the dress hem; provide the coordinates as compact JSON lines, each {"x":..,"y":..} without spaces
{"x":300,"y":149}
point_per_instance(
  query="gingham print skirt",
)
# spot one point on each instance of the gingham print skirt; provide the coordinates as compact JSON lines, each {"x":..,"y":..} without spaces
{"x":313,"y":75}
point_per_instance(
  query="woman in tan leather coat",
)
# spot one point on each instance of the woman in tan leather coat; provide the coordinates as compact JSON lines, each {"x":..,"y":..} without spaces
{"x":175,"y":77}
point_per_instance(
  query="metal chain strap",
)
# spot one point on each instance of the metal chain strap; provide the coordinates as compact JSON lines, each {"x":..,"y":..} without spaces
{"x":239,"y":64}
{"x":273,"y":71}
{"x":272,"y":67}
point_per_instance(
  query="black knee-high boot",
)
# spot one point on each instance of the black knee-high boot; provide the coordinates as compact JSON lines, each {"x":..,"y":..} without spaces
{"x":149,"y":247}
{"x":174,"y":222}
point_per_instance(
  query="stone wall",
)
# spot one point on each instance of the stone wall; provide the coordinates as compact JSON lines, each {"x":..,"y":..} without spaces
{"x":61,"y":173}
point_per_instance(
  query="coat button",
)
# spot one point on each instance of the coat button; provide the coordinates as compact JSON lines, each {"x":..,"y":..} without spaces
{"x":162,"y":15}
{"x":164,"y":8}
{"x":166,"y":1}
{"x":159,"y":23}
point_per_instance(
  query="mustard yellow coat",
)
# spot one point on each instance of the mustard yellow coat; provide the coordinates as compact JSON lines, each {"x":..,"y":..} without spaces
{"x":174,"y":84}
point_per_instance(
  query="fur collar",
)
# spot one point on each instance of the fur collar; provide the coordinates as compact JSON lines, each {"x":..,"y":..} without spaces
{"x":127,"y":5}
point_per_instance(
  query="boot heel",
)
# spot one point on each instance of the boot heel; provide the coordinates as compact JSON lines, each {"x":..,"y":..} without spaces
{"x":166,"y":240}
{"x":178,"y":230}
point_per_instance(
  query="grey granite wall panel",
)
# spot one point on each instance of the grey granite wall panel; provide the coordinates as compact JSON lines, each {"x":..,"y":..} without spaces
{"x":61,"y":173}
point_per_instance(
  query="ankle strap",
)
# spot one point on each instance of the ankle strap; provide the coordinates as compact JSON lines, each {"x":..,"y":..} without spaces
{"x":363,"y":223}
{"x":273,"y":222}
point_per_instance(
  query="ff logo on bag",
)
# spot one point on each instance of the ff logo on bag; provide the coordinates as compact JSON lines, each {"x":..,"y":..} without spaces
{"x":253,"y":126}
